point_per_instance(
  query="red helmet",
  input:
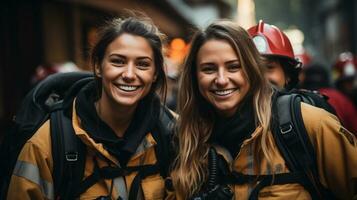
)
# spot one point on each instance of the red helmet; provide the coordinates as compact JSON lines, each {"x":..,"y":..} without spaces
{"x":345,"y":67}
{"x":271,"y":41}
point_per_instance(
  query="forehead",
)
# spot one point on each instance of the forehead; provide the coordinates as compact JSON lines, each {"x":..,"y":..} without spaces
{"x":214,"y":50}
{"x":130,"y":45}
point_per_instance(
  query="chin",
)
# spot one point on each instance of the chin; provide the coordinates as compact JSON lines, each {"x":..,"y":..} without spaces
{"x":127,"y":101}
{"x":226,"y":110}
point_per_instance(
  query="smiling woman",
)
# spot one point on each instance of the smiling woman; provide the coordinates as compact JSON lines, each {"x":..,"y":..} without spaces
{"x":119,"y":119}
{"x":221,"y":80}
{"x":127,"y":72}
{"x":225,"y":145}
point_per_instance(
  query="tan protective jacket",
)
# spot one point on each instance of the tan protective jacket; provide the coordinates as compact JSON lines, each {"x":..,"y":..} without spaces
{"x":336,"y":152}
{"x":32,"y":176}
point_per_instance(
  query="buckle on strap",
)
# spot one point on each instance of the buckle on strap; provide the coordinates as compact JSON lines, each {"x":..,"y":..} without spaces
{"x":286,"y":128}
{"x":71,"y":156}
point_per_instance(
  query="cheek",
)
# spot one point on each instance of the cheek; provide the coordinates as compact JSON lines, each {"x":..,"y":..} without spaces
{"x":148,"y":76}
{"x":244,"y":82}
{"x":108,"y":72}
{"x":203,"y":83}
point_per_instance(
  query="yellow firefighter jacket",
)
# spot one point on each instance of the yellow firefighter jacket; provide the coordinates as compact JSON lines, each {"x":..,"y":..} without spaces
{"x":32,"y":176}
{"x":336,"y":150}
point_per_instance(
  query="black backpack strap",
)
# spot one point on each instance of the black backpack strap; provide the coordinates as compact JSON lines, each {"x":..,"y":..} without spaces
{"x":163,"y":137}
{"x":237,"y":178}
{"x":114,"y":172}
{"x":294,"y":143}
{"x":68,"y":154}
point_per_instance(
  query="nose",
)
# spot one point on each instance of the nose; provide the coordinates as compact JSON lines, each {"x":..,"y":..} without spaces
{"x":129,"y":73}
{"x":221,"y":79}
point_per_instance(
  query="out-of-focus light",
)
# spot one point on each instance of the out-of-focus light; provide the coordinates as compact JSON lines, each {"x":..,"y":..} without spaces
{"x":178,"y":44}
{"x":178,"y":49}
{"x":296,"y":36}
{"x":246,"y":13}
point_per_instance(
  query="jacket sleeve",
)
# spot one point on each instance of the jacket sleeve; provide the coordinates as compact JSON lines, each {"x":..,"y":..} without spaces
{"x":336,"y":152}
{"x":31,"y":178}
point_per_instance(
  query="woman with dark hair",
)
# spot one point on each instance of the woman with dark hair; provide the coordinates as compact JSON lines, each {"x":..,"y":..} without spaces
{"x":225,"y":102}
{"x":118,"y":117}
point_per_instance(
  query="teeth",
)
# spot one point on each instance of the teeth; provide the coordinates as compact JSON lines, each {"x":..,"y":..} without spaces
{"x":128,"y":88}
{"x":223,"y":92}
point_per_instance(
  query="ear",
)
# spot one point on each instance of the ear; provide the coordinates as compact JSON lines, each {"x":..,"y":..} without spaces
{"x":98,"y":71}
{"x":287,"y":80}
{"x":155,"y":78}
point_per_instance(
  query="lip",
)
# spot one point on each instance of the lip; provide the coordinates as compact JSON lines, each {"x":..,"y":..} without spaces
{"x":128,"y":88}
{"x":224,"y":93}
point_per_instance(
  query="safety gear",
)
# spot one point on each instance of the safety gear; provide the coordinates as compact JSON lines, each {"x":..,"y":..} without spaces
{"x":36,"y":129}
{"x":345,"y":67}
{"x":271,"y":41}
{"x":335,"y":172}
{"x":217,"y":167}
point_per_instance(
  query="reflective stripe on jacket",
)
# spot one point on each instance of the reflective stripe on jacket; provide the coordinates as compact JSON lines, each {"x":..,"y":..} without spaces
{"x":32,"y":176}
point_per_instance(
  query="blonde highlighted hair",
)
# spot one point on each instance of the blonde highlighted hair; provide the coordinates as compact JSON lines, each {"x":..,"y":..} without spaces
{"x":196,"y":118}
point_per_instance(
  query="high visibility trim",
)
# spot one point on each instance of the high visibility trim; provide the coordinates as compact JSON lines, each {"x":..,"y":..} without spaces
{"x":144,"y":145}
{"x":31,"y":172}
{"x":119,"y":184}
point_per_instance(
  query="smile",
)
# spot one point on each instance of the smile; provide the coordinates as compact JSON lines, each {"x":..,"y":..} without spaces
{"x":128,"y":88}
{"x":224,"y":92}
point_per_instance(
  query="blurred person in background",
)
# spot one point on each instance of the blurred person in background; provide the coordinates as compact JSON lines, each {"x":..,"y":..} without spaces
{"x":316,"y":77}
{"x":345,"y":75}
{"x":282,"y":67}
{"x":46,"y":69}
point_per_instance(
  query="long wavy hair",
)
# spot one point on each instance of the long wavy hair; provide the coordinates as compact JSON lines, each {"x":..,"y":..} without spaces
{"x":196,"y":118}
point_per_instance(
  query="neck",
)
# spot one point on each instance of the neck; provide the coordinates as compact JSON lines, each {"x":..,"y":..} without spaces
{"x":117,"y":117}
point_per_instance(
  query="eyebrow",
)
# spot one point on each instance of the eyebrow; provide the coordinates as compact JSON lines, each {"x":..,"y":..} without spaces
{"x":122,"y":56}
{"x":212,"y":63}
{"x":232,"y":61}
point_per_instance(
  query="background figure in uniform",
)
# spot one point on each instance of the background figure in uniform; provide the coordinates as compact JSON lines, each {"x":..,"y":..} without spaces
{"x":226,"y":102}
{"x":345,"y":75}
{"x":282,"y":67}
{"x":283,"y":70}
{"x":116,"y":116}
{"x":316,"y":77}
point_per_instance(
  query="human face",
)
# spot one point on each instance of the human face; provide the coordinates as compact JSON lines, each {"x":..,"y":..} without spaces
{"x":221,"y":80}
{"x":275,"y":74}
{"x":128,"y":70}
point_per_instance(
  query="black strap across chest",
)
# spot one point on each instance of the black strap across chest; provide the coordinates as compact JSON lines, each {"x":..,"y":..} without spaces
{"x":109,"y":172}
{"x":236,"y":178}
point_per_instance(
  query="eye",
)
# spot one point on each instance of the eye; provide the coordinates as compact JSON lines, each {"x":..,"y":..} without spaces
{"x":143,"y":64}
{"x":117,"y":61}
{"x":233,"y":67}
{"x":270,"y":67}
{"x":208,"y":69}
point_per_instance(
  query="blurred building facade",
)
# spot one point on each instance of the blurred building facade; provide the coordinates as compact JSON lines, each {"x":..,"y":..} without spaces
{"x":329,"y":26}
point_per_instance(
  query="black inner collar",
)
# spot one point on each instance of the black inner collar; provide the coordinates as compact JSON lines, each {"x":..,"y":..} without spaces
{"x":144,"y":120}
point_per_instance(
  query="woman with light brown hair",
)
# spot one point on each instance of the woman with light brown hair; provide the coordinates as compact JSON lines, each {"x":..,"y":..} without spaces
{"x":225,"y":102}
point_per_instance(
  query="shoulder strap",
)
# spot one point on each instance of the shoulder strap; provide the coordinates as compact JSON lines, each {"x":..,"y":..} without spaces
{"x":294,"y":144}
{"x":68,"y":154}
{"x":163,"y":137}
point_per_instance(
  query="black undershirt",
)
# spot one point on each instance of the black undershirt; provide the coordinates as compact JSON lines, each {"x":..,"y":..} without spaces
{"x":232,"y":131}
{"x":143,"y":121}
